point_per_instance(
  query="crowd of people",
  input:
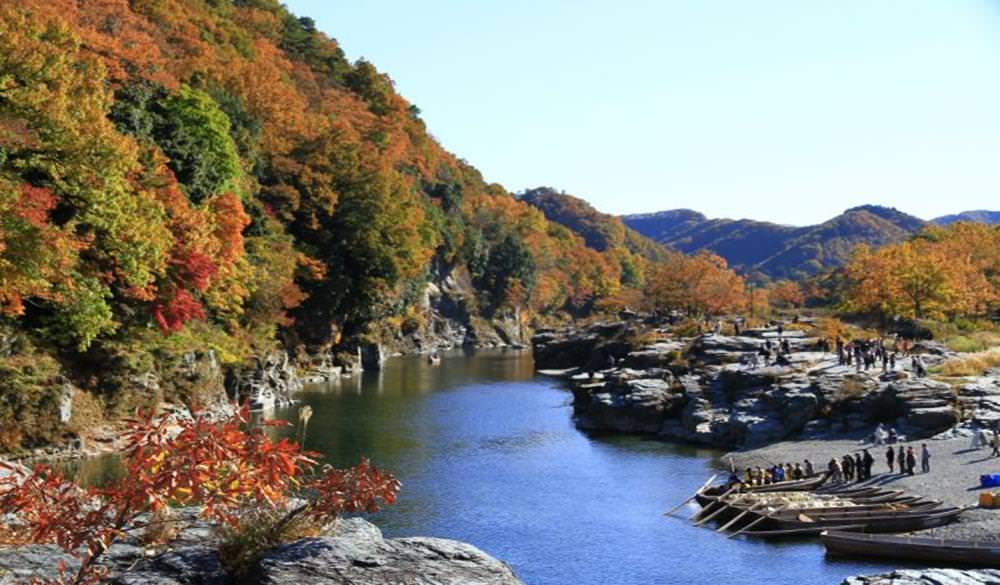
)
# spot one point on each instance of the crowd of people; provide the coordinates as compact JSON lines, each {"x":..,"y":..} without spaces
{"x":856,"y":467}
{"x":863,"y":354}
{"x":775,"y":473}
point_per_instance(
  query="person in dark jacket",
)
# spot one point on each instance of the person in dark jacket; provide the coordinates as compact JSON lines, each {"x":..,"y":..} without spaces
{"x":890,"y":455}
{"x":868,"y":461}
{"x":911,"y":460}
{"x":859,"y":467}
{"x":901,"y":459}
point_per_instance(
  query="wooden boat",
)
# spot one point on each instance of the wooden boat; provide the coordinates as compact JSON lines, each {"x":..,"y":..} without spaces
{"x":916,"y":548}
{"x":808,"y":531}
{"x":874,"y":522}
{"x":847,"y":509}
{"x":709,"y":494}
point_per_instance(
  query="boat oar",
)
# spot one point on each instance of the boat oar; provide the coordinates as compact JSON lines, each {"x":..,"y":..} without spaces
{"x":722,"y":506}
{"x":679,"y":506}
{"x":738,"y":516}
{"x":758,"y":520}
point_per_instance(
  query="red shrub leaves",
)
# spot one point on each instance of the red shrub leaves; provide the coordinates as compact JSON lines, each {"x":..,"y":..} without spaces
{"x":181,"y":308}
{"x":218,"y":466}
{"x":34,"y":205}
{"x":194,"y":269}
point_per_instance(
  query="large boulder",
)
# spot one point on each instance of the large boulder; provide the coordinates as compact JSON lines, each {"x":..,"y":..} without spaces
{"x":357,"y":554}
{"x":928,"y":406}
{"x":628,"y":405}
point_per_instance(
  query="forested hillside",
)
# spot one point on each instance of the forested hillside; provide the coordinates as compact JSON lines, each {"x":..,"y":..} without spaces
{"x":185,"y":175}
{"x":977,"y":216}
{"x":772,"y":251}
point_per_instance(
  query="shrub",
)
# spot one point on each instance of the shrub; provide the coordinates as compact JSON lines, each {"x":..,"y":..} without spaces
{"x":237,"y":477}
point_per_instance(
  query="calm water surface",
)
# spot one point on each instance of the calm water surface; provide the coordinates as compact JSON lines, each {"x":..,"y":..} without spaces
{"x":488,"y":454}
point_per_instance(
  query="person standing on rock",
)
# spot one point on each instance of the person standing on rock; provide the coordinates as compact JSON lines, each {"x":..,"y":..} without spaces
{"x":859,"y":467}
{"x":901,"y":460}
{"x":925,"y":458}
{"x":890,"y":455}
{"x":868,"y":461}
{"x":911,"y":460}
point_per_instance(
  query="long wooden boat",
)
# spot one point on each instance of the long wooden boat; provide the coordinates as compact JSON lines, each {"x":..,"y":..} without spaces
{"x":896,"y":522}
{"x":808,"y":531}
{"x":916,"y":548}
{"x":849,"y":510}
{"x":706,"y":495}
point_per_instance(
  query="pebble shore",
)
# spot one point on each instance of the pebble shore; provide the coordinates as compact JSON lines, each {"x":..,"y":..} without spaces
{"x":953,"y":479}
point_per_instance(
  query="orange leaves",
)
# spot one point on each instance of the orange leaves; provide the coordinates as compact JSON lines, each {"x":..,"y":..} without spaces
{"x":34,"y":205}
{"x":701,"y":284}
{"x":788,"y":293}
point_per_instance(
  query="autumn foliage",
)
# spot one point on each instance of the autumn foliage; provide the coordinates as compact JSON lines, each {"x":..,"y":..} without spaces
{"x":700,"y":285}
{"x":226,"y":470}
{"x":945,"y":272}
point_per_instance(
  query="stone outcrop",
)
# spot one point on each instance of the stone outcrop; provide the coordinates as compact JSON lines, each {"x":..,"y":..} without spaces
{"x":357,"y":553}
{"x":702,"y":390}
{"x":354,"y":552}
{"x":271,"y":373}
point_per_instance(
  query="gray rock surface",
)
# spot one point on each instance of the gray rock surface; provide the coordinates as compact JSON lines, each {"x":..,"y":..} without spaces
{"x":358,"y":554}
{"x":354,"y":553}
{"x":705,"y":391}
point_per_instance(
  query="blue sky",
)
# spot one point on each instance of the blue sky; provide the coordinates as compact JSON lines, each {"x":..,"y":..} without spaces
{"x":784,"y":110}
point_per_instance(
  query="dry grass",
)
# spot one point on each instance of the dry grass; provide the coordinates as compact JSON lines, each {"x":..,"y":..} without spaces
{"x":973,"y":364}
{"x":980,"y":341}
{"x":851,"y":388}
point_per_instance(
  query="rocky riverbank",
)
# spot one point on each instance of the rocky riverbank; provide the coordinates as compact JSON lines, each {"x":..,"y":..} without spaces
{"x":635,"y":378}
{"x":354,"y":552}
{"x":953,"y":479}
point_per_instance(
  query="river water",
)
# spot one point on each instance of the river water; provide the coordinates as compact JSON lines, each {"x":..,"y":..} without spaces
{"x":488,"y":454}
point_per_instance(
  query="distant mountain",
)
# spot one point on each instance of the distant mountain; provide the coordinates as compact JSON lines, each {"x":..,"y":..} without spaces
{"x":979,"y":216}
{"x":774,"y":250}
{"x":600,"y":231}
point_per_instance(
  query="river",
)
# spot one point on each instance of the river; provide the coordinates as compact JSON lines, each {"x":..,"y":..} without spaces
{"x":488,"y":454}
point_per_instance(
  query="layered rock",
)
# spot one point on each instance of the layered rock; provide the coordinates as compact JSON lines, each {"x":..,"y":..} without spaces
{"x":273,"y":373}
{"x":357,"y":553}
{"x":702,"y":390}
{"x":354,"y":552}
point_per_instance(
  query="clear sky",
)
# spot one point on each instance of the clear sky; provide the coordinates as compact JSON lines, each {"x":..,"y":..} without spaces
{"x":785,"y":110}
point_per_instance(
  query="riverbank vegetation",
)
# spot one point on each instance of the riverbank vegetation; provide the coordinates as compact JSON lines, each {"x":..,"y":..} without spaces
{"x":179,"y":176}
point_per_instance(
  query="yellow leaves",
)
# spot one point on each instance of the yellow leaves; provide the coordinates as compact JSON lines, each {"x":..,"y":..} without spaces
{"x":942,"y":272}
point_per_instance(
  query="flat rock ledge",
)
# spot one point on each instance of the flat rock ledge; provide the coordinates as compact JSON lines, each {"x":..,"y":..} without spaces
{"x":929,"y":577}
{"x":354,"y":553}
